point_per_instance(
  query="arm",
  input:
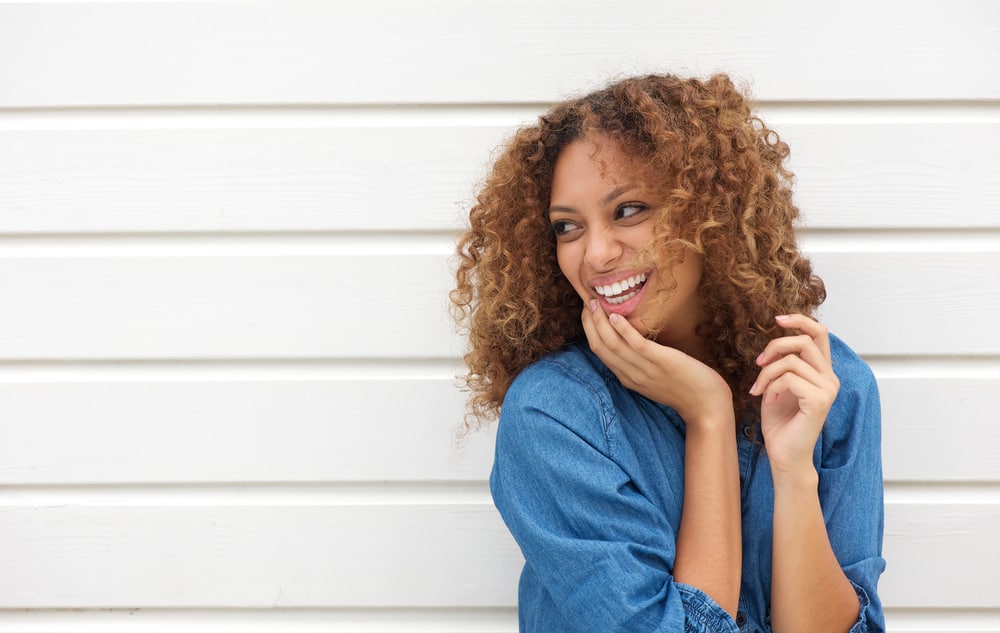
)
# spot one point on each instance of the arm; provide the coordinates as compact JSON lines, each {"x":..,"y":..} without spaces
{"x":809,"y":589}
{"x":598,"y":550}
{"x":709,"y":546}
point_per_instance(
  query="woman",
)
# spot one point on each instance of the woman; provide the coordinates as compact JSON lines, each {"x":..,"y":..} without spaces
{"x":681,"y":447}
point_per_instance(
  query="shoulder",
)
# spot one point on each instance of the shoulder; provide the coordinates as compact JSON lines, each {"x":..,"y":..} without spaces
{"x":568,"y":388}
{"x":574,"y":369}
{"x":853,"y":372}
{"x":855,"y":416}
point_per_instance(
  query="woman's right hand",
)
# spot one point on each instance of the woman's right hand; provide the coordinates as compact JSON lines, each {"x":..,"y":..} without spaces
{"x":661,"y":373}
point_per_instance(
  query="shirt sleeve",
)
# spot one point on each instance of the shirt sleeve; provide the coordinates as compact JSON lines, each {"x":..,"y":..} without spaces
{"x":602,"y":550}
{"x":850,"y":486}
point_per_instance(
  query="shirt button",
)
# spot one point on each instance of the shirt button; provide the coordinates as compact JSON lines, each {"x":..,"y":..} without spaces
{"x":748,"y":432}
{"x":741,"y":618}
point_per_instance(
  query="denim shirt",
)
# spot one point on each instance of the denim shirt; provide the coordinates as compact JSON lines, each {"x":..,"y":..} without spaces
{"x":589,"y":478}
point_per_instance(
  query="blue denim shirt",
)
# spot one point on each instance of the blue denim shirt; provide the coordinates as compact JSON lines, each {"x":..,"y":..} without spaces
{"x":589,"y":477}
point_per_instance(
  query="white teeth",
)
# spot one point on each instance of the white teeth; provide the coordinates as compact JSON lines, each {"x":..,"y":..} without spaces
{"x":622,"y":299}
{"x":624,"y":285}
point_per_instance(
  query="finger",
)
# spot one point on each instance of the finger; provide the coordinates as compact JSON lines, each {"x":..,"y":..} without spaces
{"x":613,"y":335}
{"x":810,"y":402}
{"x":801,"y":345}
{"x":798,"y":386}
{"x":605,"y":341}
{"x":628,"y":332}
{"x":790,"y":364}
{"x":590,"y":330}
{"x":808,"y":326}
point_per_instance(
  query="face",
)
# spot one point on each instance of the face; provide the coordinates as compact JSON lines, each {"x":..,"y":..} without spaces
{"x":603,"y":220}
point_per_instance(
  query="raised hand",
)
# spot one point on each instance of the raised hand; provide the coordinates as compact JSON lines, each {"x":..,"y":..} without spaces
{"x":798,"y":387}
{"x":663,"y":374}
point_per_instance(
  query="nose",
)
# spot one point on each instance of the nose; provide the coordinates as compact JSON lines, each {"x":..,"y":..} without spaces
{"x":604,"y":249}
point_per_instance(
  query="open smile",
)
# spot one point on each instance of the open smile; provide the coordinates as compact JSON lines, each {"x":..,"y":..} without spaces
{"x":618,"y":292}
{"x":623,"y":290}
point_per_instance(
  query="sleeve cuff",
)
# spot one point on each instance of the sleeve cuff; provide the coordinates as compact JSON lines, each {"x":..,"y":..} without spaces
{"x":861,"y":626}
{"x":704,"y":615}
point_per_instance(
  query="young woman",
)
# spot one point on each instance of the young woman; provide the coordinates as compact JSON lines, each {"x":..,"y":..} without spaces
{"x":681,"y":447}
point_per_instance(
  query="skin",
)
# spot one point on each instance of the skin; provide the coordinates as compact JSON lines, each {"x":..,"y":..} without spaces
{"x":603,"y":220}
{"x":602,"y":223}
{"x":809,"y":591}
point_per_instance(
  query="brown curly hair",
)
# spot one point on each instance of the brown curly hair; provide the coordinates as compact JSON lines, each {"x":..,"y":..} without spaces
{"x":727,"y":195}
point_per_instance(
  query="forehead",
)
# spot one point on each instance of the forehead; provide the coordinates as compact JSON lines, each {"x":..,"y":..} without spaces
{"x":595,"y":167}
{"x":602,"y":159}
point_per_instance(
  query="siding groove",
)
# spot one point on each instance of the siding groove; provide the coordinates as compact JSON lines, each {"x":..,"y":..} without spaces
{"x":251,"y":620}
{"x":252,"y":494}
{"x":384,"y":493}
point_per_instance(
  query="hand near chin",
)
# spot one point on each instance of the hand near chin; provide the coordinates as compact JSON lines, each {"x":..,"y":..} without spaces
{"x":661,"y":373}
{"x":798,"y":387}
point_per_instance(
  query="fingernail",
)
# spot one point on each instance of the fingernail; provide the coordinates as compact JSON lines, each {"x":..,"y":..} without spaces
{"x":614,"y":317}
{"x":752,"y":388}
{"x":782,"y":317}
{"x":760,"y":358}
{"x":593,"y":305}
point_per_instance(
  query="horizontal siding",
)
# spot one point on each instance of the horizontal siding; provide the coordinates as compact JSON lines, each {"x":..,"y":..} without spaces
{"x":937,"y":428}
{"x":341,"y":620}
{"x":383,"y":620}
{"x":101,"y":53}
{"x":226,"y":307}
{"x":349,"y":306}
{"x":957,"y":540}
{"x":335,"y":430}
{"x":158,"y":430}
{"x":226,"y":366}
{"x":917,"y":298}
{"x":280,"y":556}
{"x":414,"y":555}
{"x":313,"y":171}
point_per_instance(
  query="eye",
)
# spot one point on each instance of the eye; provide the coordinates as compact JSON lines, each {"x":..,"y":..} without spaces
{"x":630,"y":213}
{"x":565,"y":230}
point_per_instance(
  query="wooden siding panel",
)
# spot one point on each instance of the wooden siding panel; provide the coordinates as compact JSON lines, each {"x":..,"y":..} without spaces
{"x":226,"y":307}
{"x":351,"y":305}
{"x":941,"y":555}
{"x":415,"y":174}
{"x":382,"y":556}
{"x":256,"y":557}
{"x":107,"y":53}
{"x":280,"y":431}
{"x":234,"y":429}
{"x":913,"y":303}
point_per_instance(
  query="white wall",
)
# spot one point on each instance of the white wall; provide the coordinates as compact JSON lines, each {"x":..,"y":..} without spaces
{"x":226,"y":394}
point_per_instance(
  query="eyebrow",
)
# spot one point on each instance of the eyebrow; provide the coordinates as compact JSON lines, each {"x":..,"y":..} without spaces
{"x":615,"y":193}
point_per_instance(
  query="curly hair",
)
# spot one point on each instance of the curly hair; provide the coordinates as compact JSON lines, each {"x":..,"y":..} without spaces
{"x":727,"y":196}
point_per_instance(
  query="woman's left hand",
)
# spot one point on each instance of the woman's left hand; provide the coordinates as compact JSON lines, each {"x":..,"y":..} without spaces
{"x":798,"y":386}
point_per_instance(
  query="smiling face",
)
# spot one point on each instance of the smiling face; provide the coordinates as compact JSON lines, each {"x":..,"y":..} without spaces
{"x":603,"y":221}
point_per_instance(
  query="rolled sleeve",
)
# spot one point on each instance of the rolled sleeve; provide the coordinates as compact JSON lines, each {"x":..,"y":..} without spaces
{"x":851,"y":488}
{"x":861,"y":626}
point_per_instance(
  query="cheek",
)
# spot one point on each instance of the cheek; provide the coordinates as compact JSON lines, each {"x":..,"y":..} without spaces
{"x":569,"y":263}
{"x":694,"y":267}
{"x":564,"y":259}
